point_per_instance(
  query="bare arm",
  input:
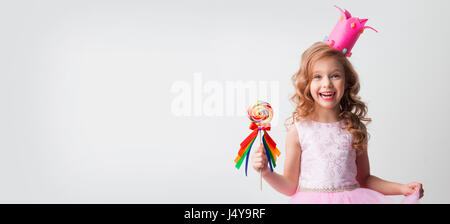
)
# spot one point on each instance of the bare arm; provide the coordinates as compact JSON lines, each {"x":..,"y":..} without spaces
{"x":288,"y":182}
{"x":367,"y":180}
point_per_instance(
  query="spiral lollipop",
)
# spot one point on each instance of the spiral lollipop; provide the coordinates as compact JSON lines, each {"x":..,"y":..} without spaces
{"x":260,"y":115}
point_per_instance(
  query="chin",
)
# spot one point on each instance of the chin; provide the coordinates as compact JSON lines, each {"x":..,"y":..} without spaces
{"x":328,"y":106}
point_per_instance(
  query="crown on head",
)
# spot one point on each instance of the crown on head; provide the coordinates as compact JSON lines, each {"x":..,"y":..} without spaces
{"x":346,"y":32}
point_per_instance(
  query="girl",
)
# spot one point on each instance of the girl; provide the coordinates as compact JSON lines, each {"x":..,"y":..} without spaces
{"x":326,"y":144}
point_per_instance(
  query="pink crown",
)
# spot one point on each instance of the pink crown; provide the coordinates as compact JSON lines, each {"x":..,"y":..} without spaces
{"x":346,"y":32}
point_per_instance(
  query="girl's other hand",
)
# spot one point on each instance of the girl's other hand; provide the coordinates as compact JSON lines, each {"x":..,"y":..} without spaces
{"x":410,"y":188}
{"x":259,"y":159}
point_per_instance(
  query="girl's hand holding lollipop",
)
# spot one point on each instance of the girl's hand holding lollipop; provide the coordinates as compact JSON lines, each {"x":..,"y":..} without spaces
{"x":259,"y":160}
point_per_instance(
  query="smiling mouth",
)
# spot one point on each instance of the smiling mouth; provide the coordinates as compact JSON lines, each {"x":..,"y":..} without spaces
{"x":327,"y":95}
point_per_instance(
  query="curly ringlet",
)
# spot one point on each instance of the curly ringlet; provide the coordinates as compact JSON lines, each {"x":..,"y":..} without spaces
{"x":353,"y":111}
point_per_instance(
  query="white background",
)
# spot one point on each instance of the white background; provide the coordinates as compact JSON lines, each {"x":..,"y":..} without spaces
{"x":85,"y":100}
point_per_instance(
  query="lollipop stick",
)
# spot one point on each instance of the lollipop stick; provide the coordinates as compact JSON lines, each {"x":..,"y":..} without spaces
{"x":260,"y":179}
{"x":260,"y":171}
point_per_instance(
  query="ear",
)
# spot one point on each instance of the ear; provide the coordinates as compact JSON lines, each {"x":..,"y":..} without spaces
{"x":346,"y":13}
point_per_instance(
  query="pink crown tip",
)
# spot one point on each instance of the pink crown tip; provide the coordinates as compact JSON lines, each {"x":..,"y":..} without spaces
{"x":345,"y":12}
{"x":363,"y":21}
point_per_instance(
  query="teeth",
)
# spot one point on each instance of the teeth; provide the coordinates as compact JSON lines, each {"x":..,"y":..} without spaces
{"x":328,"y":95}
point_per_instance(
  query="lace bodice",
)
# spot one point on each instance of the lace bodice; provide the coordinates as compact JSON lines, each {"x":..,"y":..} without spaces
{"x":328,"y":160}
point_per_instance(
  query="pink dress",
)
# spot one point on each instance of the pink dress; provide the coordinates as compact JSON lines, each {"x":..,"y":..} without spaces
{"x":328,"y":168}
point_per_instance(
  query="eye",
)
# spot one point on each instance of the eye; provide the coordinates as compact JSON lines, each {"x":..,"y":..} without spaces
{"x":336,"y":76}
{"x":316,"y":76}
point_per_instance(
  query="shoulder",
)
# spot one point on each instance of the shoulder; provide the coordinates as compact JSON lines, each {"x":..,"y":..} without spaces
{"x":292,"y":130}
{"x":292,"y":135}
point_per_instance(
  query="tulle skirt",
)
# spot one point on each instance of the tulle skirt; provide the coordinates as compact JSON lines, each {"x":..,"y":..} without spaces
{"x":355,"y":196}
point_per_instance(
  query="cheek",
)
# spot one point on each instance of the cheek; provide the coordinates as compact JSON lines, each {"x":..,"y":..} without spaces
{"x":313,"y":88}
{"x":340,"y":86}
{"x":341,"y":89}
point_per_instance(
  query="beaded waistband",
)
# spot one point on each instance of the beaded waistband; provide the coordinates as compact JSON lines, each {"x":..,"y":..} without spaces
{"x":346,"y":188}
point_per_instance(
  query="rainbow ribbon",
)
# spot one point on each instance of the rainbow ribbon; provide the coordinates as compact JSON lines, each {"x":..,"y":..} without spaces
{"x":269,"y":145}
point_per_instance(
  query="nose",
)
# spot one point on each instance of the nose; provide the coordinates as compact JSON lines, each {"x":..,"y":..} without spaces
{"x":326,"y":82}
